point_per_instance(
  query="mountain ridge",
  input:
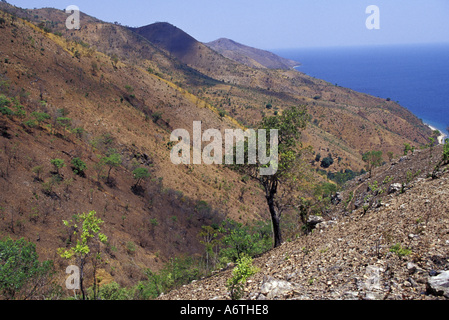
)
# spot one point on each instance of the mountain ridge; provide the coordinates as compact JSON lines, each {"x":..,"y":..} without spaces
{"x":250,"y":56}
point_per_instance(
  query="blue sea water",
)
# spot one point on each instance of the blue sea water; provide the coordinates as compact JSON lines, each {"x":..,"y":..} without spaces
{"x":417,"y":76}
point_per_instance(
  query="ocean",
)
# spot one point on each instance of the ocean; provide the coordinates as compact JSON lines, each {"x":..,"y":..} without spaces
{"x":417,"y":76}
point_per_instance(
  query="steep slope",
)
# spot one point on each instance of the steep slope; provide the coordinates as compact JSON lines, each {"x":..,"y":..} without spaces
{"x":193,"y":53}
{"x":250,"y":56}
{"x":345,"y":122}
{"x":172,"y":39}
{"x":390,"y":252}
{"x":96,"y":104}
{"x":105,"y":87}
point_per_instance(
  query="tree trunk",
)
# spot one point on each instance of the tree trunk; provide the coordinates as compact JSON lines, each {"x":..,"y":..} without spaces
{"x":109,"y":173}
{"x":277,"y":235}
{"x":81,"y":281}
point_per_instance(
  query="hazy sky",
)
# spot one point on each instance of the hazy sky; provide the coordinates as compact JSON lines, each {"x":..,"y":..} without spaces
{"x":279,"y":24}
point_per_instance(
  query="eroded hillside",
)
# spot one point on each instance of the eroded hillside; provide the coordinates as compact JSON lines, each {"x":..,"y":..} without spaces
{"x":393,"y":251}
{"x":104,"y":89}
{"x":93,"y":105}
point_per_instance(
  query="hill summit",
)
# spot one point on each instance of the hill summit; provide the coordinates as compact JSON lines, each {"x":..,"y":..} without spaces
{"x":252,"y":57}
{"x":169,"y":37}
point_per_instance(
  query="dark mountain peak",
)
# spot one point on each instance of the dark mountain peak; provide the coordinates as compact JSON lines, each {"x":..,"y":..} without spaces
{"x":167,"y":36}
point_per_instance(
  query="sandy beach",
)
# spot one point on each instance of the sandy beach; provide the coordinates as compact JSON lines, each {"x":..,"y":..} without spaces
{"x":442,"y":137}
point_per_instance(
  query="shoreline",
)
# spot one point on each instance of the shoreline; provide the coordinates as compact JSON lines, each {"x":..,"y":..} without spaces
{"x":442,"y":137}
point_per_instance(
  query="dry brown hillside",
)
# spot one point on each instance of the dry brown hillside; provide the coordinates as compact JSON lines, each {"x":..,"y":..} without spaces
{"x":347,"y":123}
{"x":249,"y":56}
{"x":391,"y":252}
{"x":107,"y":89}
{"x":112,"y":105}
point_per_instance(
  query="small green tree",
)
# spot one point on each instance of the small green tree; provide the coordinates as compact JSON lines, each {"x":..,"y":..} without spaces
{"x":288,"y":168}
{"x":327,"y":162}
{"x":140,"y":174}
{"x":4,"y":106}
{"x":78,"y":131}
{"x":40,"y":116}
{"x":38,"y":170}
{"x":99,"y":168}
{"x":239,"y":240}
{"x":407,"y":148}
{"x":113,"y":291}
{"x":209,"y":237}
{"x":156,"y":116}
{"x":86,"y":245}
{"x":22,"y":276}
{"x":444,"y":159}
{"x":58,"y":164}
{"x":112,"y":161}
{"x":64,"y":122}
{"x":373,"y":159}
{"x":78,"y":166}
{"x":240,"y":274}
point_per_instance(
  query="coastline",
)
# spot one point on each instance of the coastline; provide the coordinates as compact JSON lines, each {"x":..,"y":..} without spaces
{"x":442,"y":137}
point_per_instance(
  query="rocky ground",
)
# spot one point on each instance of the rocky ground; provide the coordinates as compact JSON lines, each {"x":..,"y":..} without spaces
{"x":398,"y":249}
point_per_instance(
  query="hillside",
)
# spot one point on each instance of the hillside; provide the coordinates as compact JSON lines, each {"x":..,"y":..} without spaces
{"x":107,"y":89}
{"x":245,"y":93}
{"x":108,"y":105}
{"x":344,"y":122}
{"x":250,"y":56}
{"x":394,"y":251}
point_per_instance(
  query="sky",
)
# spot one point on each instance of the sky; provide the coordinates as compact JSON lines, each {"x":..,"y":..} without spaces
{"x":280,"y":24}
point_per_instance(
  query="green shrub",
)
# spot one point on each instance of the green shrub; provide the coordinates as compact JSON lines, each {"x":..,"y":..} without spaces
{"x":113,"y":160}
{"x":239,"y":240}
{"x":58,"y":164}
{"x":78,"y":166}
{"x":156,"y":116}
{"x":22,"y":276}
{"x":6,"y":111}
{"x":444,"y":159}
{"x":113,"y":291}
{"x":327,"y":162}
{"x":446,"y":152}
{"x":5,"y":103}
{"x":175,"y":273}
{"x":222,"y":113}
{"x":78,"y":132}
{"x":140,"y":174}
{"x":64,"y":122}
{"x":40,"y":116}
{"x":400,"y":251}
{"x":407,"y":148}
{"x":30,"y":123}
{"x":240,"y":274}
